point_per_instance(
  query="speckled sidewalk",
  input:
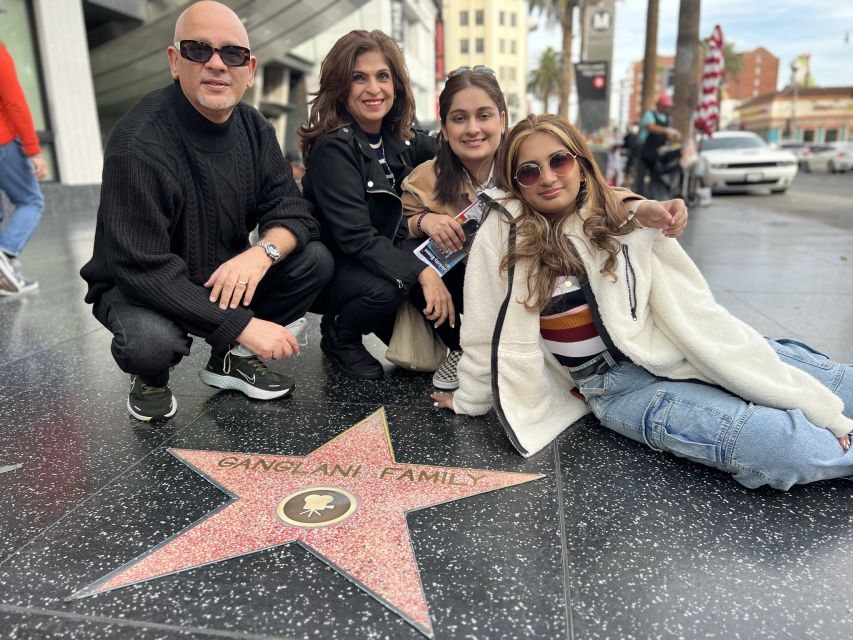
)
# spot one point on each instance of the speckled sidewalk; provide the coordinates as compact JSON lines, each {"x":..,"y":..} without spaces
{"x":596,"y":537}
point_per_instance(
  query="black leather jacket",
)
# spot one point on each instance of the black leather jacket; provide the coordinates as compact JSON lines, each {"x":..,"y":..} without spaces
{"x":358,"y":208}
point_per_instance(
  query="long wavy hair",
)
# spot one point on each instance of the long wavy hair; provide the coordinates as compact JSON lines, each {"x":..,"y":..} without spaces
{"x":328,"y":110}
{"x":449,"y":171}
{"x":543,"y":239}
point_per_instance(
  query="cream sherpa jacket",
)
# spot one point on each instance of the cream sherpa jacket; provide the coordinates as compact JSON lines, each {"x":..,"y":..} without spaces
{"x":659,"y":312}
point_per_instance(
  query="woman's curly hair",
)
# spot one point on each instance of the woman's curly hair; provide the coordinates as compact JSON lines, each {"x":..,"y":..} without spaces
{"x":544,"y":239}
{"x":328,"y":108}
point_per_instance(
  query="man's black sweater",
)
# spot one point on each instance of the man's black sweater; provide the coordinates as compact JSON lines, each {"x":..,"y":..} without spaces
{"x":178,"y":198}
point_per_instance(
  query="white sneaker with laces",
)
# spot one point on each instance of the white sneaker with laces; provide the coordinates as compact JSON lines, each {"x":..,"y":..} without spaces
{"x":445,"y":377}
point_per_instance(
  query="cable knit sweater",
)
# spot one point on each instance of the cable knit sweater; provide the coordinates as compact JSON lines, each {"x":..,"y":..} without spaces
{"x":659,"y":312}
{"x":179,"y":197}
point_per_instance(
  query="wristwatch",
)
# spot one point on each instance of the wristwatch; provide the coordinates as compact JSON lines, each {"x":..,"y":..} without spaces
{"x":271,"y":250}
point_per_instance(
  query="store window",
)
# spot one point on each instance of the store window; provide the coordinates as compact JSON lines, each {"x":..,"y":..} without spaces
{"x":17,"y":33}
{"x":808,"y":135}
{"x":831,"y":135}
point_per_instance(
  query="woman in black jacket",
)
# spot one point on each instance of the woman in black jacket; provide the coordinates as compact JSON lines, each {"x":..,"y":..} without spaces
{"x":359,"y":146}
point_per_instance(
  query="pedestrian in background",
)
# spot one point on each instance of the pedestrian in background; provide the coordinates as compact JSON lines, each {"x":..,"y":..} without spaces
{"x":655,"y":132}
{"x":21,"y":167}
{"x":296,"y":166}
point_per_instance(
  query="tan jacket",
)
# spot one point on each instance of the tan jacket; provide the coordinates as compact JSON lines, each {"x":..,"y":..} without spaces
{"x":419,"y":195}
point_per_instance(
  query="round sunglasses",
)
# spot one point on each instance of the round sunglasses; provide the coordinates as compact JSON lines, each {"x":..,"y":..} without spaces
{"x":478,"y":68}
{"x":198,"y":51}
{"x":529,"y":173}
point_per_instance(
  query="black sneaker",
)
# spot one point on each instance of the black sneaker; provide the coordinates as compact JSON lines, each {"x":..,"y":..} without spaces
{"x":147,"y":403}
{"x":446,"y":377}
{"x":248,"y":374}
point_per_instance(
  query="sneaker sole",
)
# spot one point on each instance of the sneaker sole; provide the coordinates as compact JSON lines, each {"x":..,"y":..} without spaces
{"x":7,"y":293}
{"x":142,"y":418}
{"x":447,"y":386}
{"x":227,"y":382}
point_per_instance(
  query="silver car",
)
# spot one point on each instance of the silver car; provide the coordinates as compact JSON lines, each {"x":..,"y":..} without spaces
{"x":738,"y":161}
{"x":832,"y":157}
{"x":800,"y":149}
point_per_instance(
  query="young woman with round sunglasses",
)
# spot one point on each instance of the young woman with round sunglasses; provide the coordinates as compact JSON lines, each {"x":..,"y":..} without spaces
{"x":567,"y":293}
{"x":359,"y":146}
{"x":473,"y":116}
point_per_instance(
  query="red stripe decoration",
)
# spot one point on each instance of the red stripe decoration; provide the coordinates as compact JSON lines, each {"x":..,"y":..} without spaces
{"x":707,"y":115}
{"x":577,"y":334}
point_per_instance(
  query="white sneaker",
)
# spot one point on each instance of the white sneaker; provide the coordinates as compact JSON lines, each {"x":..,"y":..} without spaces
{"x":445,"y":377}
{"x":11,"y":281}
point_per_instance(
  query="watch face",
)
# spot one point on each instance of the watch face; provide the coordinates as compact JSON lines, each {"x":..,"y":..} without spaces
{"x":272,"y":251}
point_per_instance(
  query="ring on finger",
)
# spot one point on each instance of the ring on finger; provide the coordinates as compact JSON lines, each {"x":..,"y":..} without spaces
{"x":243,"y":283}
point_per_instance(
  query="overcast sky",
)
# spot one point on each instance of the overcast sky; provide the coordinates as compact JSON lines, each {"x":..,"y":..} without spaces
{"x":786,"y":28}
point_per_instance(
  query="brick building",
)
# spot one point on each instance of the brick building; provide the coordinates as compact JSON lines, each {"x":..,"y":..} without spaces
{"x":759,"y":75}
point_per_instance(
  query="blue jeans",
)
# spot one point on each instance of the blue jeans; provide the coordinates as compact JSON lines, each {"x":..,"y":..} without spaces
{"x":21,"y":187}
{"x":757,"y":445}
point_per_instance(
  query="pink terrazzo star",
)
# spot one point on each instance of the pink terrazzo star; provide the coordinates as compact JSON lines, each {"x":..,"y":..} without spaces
{"x":346,"y":501}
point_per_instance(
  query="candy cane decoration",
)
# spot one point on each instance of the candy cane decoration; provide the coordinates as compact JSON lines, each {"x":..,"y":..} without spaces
{"x":708,"y":113}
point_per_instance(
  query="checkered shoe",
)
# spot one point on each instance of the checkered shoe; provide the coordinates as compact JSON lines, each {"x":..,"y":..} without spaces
{"x":445,"y":377}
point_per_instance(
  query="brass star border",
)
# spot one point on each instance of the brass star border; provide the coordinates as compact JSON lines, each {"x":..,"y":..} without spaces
{"x":346,"y":502}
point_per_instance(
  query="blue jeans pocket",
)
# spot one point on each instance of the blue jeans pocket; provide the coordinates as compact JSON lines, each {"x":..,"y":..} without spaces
{"x":686,"y":428}
{"x":802,"y":353}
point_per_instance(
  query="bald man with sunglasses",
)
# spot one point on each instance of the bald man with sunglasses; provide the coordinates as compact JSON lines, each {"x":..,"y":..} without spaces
{"x":188,"y":172}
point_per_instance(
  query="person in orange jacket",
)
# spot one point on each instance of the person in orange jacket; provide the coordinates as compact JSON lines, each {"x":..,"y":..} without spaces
{"x":21,"y":167}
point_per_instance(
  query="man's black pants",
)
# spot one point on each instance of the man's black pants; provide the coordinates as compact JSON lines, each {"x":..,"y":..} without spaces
{"x":147,"y":344}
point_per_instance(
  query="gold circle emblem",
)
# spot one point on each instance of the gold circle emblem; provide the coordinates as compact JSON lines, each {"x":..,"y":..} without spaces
{"x":317,"y":507}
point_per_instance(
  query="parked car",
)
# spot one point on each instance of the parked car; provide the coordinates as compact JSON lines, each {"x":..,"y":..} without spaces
{"x":832,"y":157}
{"x":738,"y":161}
{"x":800,"y":149}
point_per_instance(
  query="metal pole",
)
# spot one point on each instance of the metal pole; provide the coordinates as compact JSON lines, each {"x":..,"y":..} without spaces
{"x":794,"y":101}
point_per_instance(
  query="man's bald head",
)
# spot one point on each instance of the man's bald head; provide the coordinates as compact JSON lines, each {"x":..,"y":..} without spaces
{"x":205,"y":12}
{"x":212,"y":87}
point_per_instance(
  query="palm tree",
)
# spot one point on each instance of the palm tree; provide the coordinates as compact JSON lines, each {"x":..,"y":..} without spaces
{"x":564,"y":12}
{"x":687,"y":67}
{"x":545,"y":78}
{"x":732,"y":63}
{"x":650,"y":58}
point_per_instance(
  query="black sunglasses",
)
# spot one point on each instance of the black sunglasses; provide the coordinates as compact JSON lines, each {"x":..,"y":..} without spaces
{"x":560,"y":162}
{"x":198,"y":51}
{"x":475,"y":69}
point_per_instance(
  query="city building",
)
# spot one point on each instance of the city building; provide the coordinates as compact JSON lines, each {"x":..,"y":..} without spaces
{"x":758,"y":76}
{"x":491,"y":33}
{"x":84,"y":63}
{"x":812,"y":114}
